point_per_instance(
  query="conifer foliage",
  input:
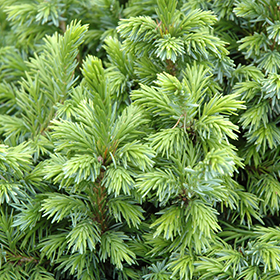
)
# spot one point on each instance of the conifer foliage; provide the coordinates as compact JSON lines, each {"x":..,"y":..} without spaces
{"x":136,"y":142}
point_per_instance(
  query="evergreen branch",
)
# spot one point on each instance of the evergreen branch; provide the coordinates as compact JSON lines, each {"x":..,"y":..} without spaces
{"x":113,"y":246}
{"x":118,"y":181}
{"x":59,"y":206}
{"x":122,"y":207}
{"x":85,"y":235}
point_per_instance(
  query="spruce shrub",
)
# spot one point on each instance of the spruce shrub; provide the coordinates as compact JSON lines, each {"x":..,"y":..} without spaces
{"x":139,"y":139}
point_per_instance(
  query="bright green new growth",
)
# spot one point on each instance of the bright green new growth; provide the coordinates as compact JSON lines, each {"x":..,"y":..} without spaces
{"x":132,"y":146}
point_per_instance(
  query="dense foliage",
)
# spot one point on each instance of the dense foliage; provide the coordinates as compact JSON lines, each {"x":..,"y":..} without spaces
{"x":139,"y":139}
